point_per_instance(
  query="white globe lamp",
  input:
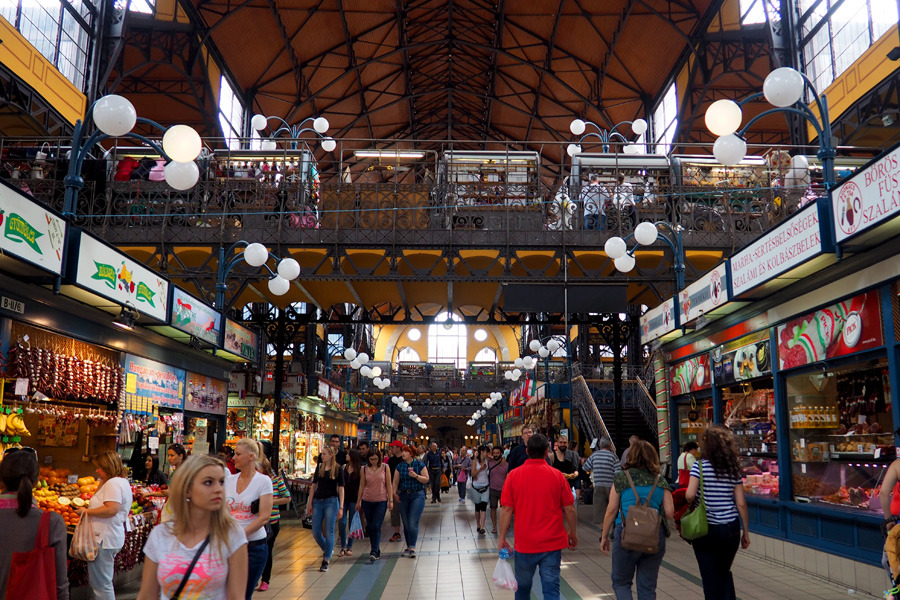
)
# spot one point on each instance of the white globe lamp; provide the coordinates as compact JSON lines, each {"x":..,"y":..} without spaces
{"x":328,"y":144}
{"x":279,"y":286}
{"x":182,"y":143}
{"x":527,"y":362}
{"x":729,"y":149}
{"x":258,"y":122}
{"x":723,"y":117}
{"x":646,"y":233}
{"x":639,"y":126}
{"x":181,"y":175}
{"x":289,"y":269}
{"x":624,"y":264}
{"x":114,"y":115}
{"x":365,"y":371}
{"x":552,"y":346}
{"x":376,"y":371}
{"x":615,"y":247}
{"x":516,"y":373}
{"x":519,"y":362}
{"x":349,"y":353}
{"x":543,"y":352}
{"x":268,"y":145}
{"x":320,"y":124}
{"x":376,"y":381}
{"x":355,"y":364}
{"x":573,"y":149}
{"x":362,"y":357}
{"x":577,"y":126}
{"x":533,"y":345}
{"x":256,"y":254}
{"x":783,"y":87}
{"x":385,"y":383}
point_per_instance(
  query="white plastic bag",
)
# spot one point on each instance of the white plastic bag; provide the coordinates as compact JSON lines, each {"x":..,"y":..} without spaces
{"x":504,"y":576}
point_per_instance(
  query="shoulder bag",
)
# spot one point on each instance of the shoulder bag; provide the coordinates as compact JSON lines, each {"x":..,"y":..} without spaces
{"x":32,"y":575}
{"x":641,"y":525}
{"x":694,"y":524}
{"x":187,"y":574}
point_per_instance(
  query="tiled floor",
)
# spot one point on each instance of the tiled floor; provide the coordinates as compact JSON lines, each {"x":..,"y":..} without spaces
{"x":455,"y":563}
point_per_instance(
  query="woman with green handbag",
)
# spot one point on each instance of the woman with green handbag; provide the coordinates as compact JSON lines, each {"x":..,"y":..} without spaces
{"x":717,"y":479}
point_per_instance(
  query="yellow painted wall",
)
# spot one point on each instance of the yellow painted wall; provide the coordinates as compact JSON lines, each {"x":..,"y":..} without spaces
{"x":395,"y":337}
{"x":23,"y":59}
{"x":729,"y":17}
{"x":170,"y":10}
{"x":865,"y":73}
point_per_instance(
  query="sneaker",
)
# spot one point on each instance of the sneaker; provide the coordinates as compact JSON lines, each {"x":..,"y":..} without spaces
{"x":324,"y":566}
{"x":461,"y":501}
{"x":405,"y":552}
{"x":412,"y":554}
{"x":395,"y":537}
{"x":263,"y":587}
{"x":372,"y":558}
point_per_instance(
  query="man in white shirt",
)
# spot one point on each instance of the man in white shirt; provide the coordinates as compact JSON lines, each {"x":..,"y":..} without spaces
{"x":623,"y":199}
{"x":593,"y":202}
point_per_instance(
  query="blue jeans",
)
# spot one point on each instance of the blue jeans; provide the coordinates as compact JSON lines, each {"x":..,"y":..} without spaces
{"x":374,"y":512}
{"x":626,"y":562}
{"x":101,"y":571}
{"x":325,"y":511}
{"x":257,"y":555}
{"x":548,"y":564}
{"x":411,"y":506}
{"x":347,"y":520}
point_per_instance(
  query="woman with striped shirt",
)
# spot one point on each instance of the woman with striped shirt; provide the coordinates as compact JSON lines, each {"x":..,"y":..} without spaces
{"x":281,"y":497}
{"x":726,"y":509}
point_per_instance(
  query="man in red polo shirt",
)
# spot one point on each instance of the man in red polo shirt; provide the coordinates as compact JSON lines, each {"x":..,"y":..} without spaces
{"x":539,"y":496}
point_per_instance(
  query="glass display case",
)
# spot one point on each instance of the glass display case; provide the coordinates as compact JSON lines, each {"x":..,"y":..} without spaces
{"x":841,"y":443}
{"x":750,"y":414}
{"x":761,"y":476}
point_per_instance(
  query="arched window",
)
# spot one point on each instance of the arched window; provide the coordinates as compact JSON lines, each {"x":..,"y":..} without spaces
{"x":486,"y":355}
{"x":447,"y":340}
{"x":407,"y":354}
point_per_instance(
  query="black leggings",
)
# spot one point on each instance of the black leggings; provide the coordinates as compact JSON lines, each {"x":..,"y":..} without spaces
{"x":273,"y":533}
{"x":715,"y":552}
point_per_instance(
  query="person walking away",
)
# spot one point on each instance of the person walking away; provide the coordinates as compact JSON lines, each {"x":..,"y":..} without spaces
{"x":481,"y":486}
{"x":685,"y":461}
{"x":641,"y":474}
{"x":226,"y":454}
{"x":410,"y":480}
{"x":726,"y":510}
{"x":602,"y":464}
{"x":497,"y":470}
{"x":280,"y":497}
{"x":433,"y":463}
{"x":352,"y":479}
{"x":375,"y":497}
{"x":518,"y":454}
{"x":202,"y":527}
{"x":396,"y":449}
{"x":538,"y":496}
{"x":631,"y":442}
{"x":154,"y":475}
{"x":249,"y":497}
{"x":20,"y":520}
{"x":110,"y":507}
{"x":566,"y":461}
{"x":593,"y":202}
{"x":326,"y":502}
{"x":461,"y":465}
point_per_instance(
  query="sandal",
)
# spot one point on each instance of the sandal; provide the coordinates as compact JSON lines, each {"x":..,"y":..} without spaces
{"x":348,"y":552}
{"x":342,"y":553}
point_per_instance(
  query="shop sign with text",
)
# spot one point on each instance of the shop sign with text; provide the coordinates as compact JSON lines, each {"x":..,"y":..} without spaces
{"x":705,"y":294}
{"x":691,"y":375}
{"x":192,"y":316}
{"x":743,"y":359}
{"x":240,"y":340}
{"x":658,"y":321}
{"x":787,"y":246}
{"x":120,"y":278}
{"x":206,"y":395}
{"x":29,"y":231}
{"x":843,"y":328}
{"x":870,"y":197}
{"x":149,"y":383}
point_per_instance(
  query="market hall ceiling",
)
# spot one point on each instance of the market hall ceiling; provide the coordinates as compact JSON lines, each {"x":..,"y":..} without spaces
{"x":462,"y":70}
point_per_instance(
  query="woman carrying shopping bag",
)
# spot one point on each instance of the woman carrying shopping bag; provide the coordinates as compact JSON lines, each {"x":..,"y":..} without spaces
{"x":21,"y":523}
{"x":726,"y":511}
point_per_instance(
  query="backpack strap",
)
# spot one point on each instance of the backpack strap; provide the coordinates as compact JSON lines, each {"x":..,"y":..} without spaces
{"x":653,"y":489}
{"x":637,"y":498}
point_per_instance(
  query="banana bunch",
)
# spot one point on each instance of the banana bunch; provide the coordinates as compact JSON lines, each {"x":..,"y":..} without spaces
{"x":13,"y":424}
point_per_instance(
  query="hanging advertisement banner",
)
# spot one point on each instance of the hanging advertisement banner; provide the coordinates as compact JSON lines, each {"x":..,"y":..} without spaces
{"x":843,"y":328}
{"x":115,"y":275}
{"x":704,"y":295}
{"x":240,"y":340}
{"x":30,"y":231}
{"x":691,"y":375}
{"x":194,"y":317}
{"x":206,"y":395}
{"x":742,"y":359}
{"x":149,"y":383}
{"x":785,"y":247}
{"x":871,"y":196}
{"x":658,"y":321}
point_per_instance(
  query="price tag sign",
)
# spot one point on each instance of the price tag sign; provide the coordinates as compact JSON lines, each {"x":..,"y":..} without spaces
{"x":803,"y":467}
{"x":803,"y":442}
{"x":21,"y":387}
{"x":877,"y":452}
{"x":764,"y":448}
{"x":73,"y":479}
{"x":153,"y":443}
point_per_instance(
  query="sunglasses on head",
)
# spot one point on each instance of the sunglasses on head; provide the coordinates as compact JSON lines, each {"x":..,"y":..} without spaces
{"x":20,"y":449}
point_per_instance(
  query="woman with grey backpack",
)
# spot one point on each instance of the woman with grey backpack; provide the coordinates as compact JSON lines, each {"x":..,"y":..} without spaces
{"x":638,"y":547}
